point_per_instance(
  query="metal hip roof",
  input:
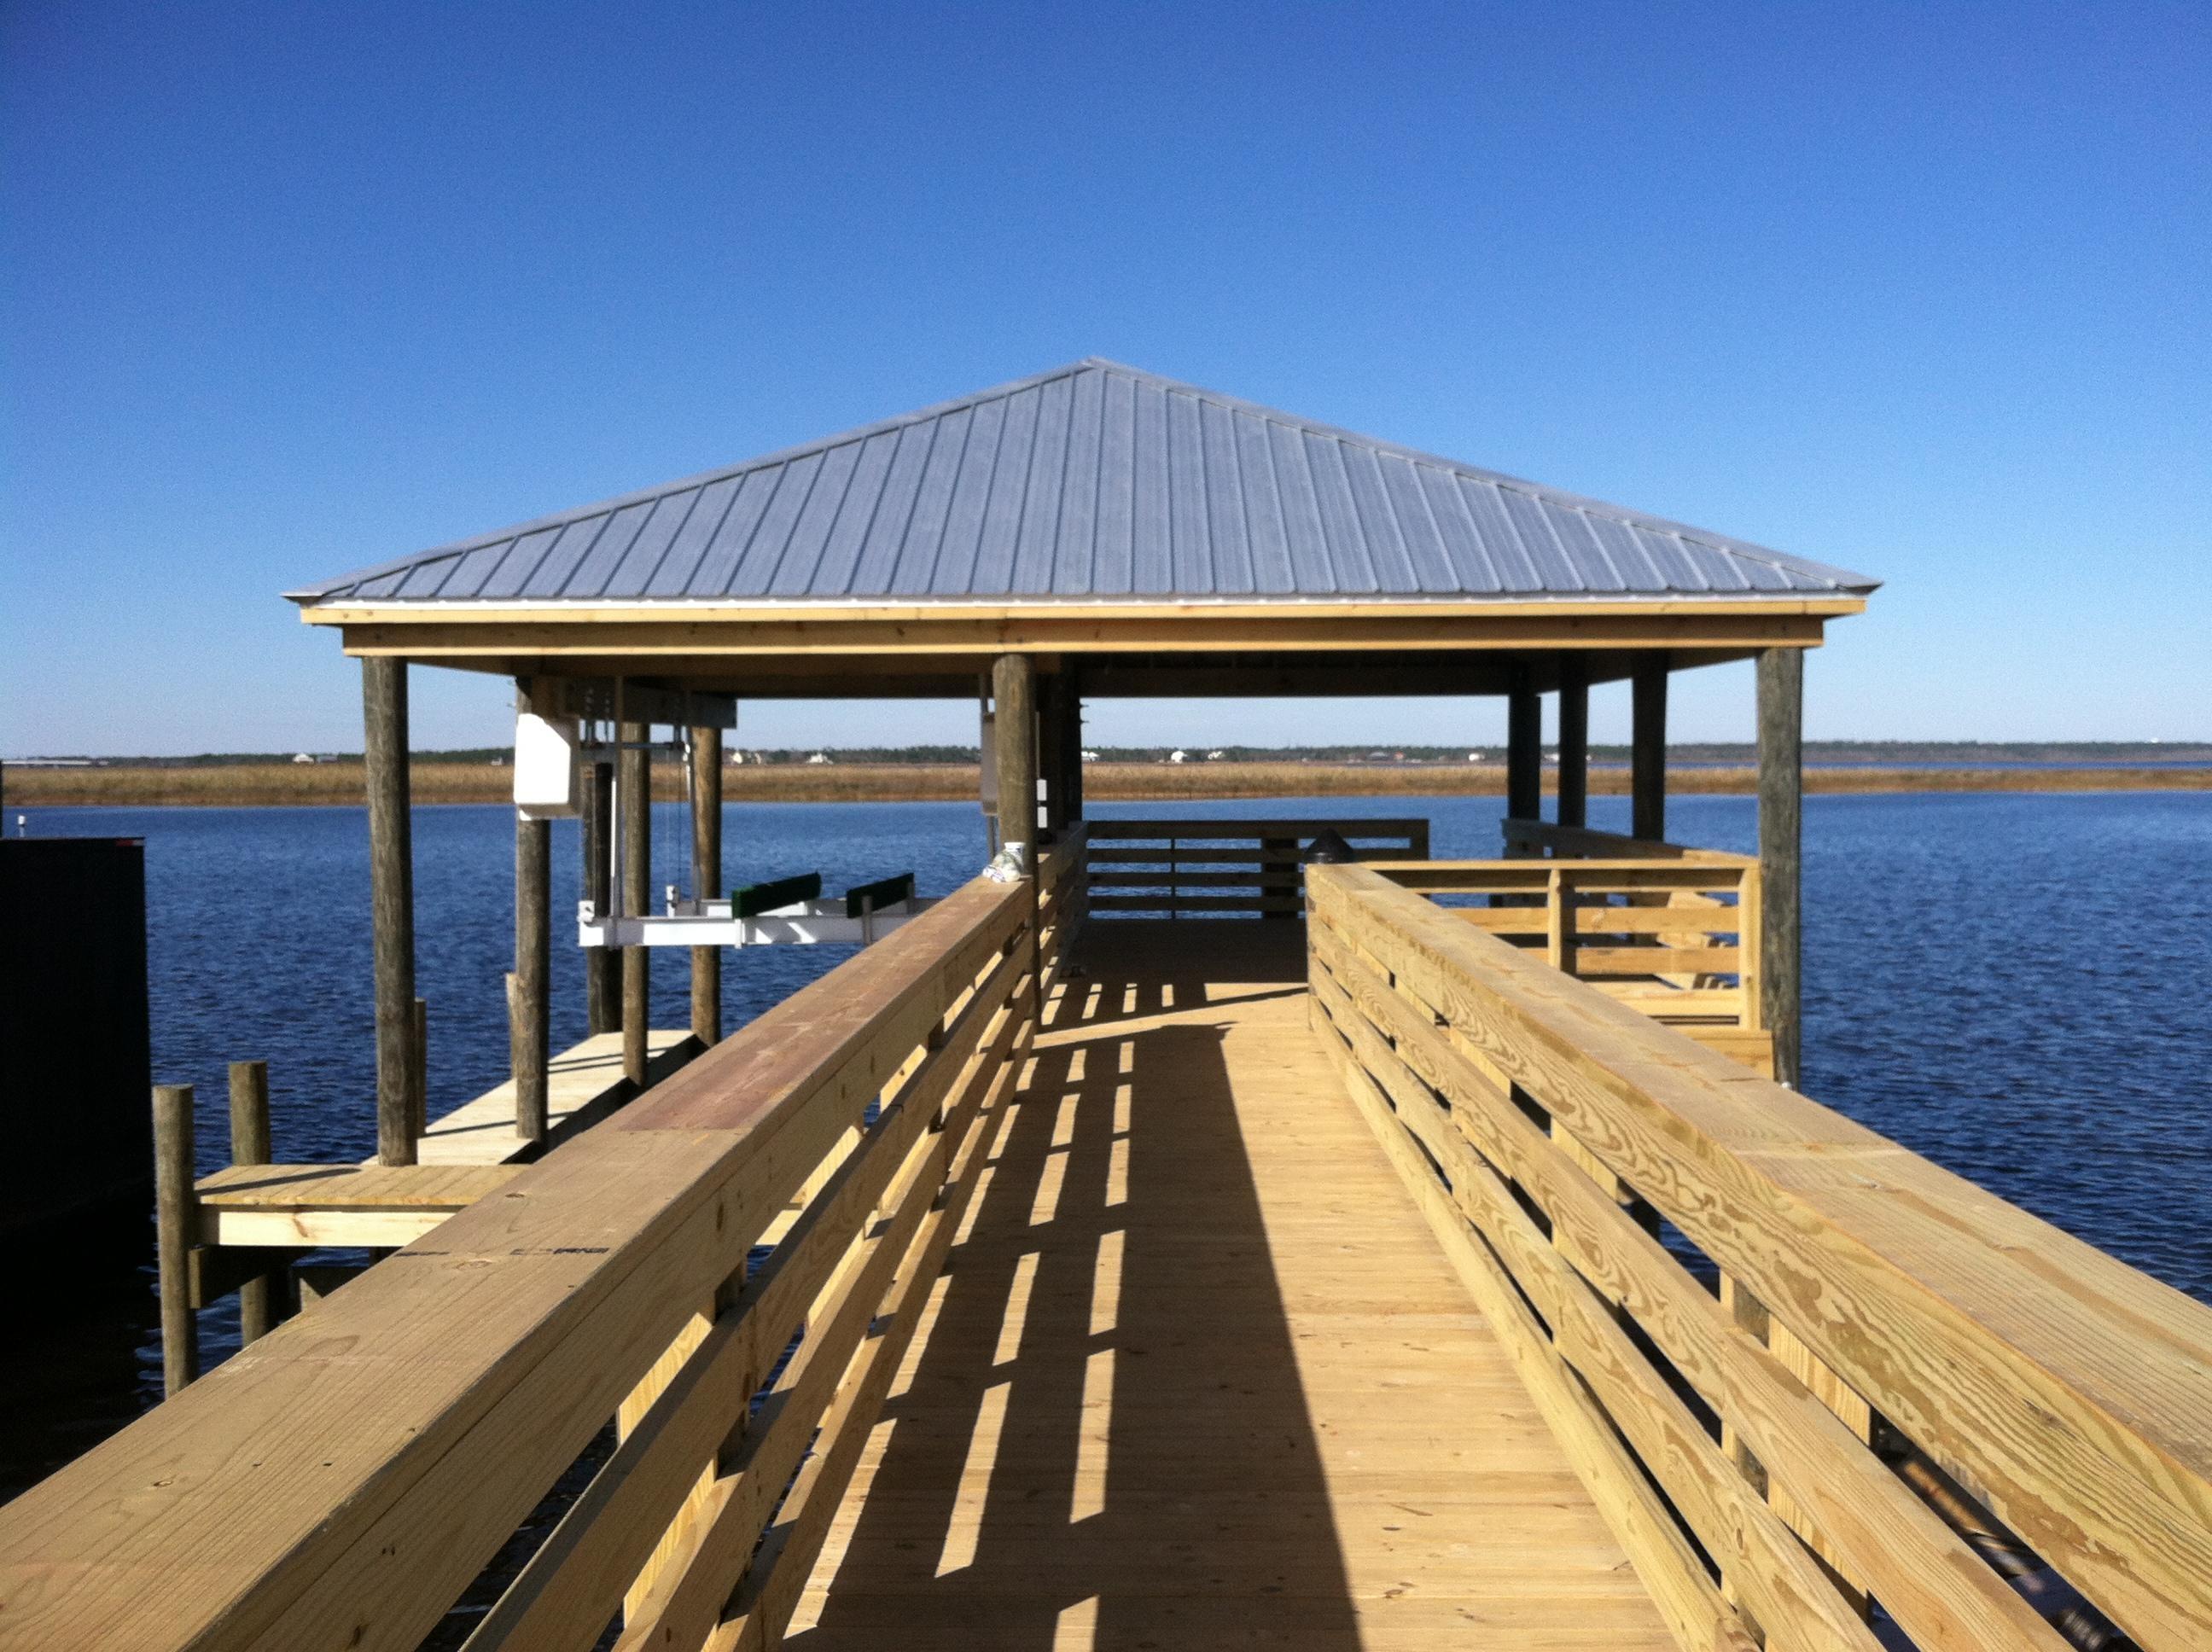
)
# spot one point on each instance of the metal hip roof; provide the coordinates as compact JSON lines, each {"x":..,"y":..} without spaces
{"x":1093,"y":483}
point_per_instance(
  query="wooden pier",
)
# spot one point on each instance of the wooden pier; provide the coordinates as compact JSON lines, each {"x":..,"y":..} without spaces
{"x":1192,"y":1282}
{"x":1185,"y":1234}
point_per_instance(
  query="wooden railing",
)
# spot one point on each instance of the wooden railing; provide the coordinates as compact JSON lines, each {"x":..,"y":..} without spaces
{"x":1218,"y":868}
{"x":1548,"y":839}
{"x":349,"y":1478}
{"x":1677,"y":938}
{"x":1905,"y":1408}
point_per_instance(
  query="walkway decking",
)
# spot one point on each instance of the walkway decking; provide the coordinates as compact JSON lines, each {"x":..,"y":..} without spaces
{"x":1198,"y":1374}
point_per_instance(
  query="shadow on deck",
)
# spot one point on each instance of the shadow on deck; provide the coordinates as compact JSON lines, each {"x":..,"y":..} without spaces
{"x":1198,"y":1374}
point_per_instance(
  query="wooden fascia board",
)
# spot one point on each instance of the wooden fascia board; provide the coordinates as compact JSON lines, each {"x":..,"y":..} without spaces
{"x":449,"y":634}
{"x":594,"y":613}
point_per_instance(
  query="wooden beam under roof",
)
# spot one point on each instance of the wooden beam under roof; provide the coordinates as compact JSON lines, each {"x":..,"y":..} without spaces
{"x":439,"y":636}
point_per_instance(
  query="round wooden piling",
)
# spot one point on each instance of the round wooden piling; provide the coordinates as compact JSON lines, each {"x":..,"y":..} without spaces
{"x":1781,"y":832}
{"x":1013,"y":692}
{"x":602,"y":996}
{"x":1647,"y":749}
{"x":391,"y":899}
{"x":530,"y":987}
{"x":418,"y":1078}
{"x":172,"y":1228}
{"x":1524,"y":749}
{"x":707,"y":878}
{"x":249,"y":1145}
{"x":634,"y":803}
{"x":1574,"y":743}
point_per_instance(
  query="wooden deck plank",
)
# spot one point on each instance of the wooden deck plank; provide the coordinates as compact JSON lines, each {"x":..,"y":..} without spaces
{"x":1199,"y":1374}
{"x":580,"y":1080}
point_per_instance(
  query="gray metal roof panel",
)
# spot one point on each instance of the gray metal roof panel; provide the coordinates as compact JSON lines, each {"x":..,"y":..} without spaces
{"x":1093,"y":482}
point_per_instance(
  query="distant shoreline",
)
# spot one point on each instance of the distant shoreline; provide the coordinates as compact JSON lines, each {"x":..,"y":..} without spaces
{"x":275,"y":785}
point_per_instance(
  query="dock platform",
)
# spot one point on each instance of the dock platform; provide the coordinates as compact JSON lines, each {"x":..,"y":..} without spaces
{"x":1199,"y":1375}
{"x":583,"y":1084}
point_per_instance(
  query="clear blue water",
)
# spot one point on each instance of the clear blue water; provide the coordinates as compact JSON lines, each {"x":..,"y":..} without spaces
{"x":2019,"y":986}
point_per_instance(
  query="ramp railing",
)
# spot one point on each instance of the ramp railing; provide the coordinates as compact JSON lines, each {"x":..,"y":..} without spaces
{"x":1827,"y":1393}
{"x":1224,"y":868}
{"x":607,"y":1319}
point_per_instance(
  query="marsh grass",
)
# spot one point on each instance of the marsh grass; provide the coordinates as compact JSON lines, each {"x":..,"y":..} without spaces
{"x":339,"y":783}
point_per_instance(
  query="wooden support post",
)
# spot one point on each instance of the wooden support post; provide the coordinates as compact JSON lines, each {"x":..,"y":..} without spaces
{"x":1781,"y":823}
{"x":1524,"y":749}
{"x":1071,"y":712}
{"x":391,"y":899}
{"x":707,"y":878}
{"x":602,"y":996}
{"x":634,"y":804}
{"x":1647,"y":751}
{"x":1574,"y":743}
{"x":530,"y":1043}
{"x":172,"y":1227}
{"x":1015,"y":733}
{"x":249,"y":1145}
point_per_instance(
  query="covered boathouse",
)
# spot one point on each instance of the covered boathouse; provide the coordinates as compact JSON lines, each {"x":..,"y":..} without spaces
{"x":1435,"y":1261}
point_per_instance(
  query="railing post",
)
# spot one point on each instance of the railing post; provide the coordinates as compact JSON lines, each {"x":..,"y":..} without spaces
{"x":1781,"y":823}
{"x":172,"y":1228}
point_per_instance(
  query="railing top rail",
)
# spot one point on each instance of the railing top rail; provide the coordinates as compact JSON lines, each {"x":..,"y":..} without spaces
{"x":349,"y":1474}
{"x":2070,"y":1392}
{"x":1412,"y":826}
{"x":1715,"y":868}
{"x":1582,"y":842}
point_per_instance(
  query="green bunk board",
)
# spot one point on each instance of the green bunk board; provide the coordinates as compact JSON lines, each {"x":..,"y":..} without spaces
{"x":754,"y":899}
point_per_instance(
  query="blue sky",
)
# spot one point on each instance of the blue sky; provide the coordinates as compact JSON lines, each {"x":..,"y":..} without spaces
{"x":1917,"y":289}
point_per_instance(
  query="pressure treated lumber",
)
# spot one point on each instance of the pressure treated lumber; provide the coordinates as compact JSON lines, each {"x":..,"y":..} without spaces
{"x":530,"y":1035}
{"x":1199,"y":1375}
{"x":2063,"y":1388}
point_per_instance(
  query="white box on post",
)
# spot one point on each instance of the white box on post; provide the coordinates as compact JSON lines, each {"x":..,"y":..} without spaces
{"x":545,"y":774}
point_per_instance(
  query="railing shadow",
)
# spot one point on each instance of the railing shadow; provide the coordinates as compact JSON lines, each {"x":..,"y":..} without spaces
{"x":1104,"y":1440}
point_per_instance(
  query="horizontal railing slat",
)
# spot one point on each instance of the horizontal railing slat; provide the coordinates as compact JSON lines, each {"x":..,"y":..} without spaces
{"x":2064,"y":1388}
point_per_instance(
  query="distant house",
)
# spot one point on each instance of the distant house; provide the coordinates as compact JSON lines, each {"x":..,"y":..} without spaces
{"x":733,"y":756}
{"x":1178,"y":756}
{"x":819,"y":757}
{"x":303,"y":757}
{"x":1091,"y":757}
{"x":1476,"y":757}
{"x":1215,"y":756}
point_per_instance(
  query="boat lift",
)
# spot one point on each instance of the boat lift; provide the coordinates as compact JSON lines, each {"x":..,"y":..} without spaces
{"x":553,"y":747}
{"x":789,"y":911}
